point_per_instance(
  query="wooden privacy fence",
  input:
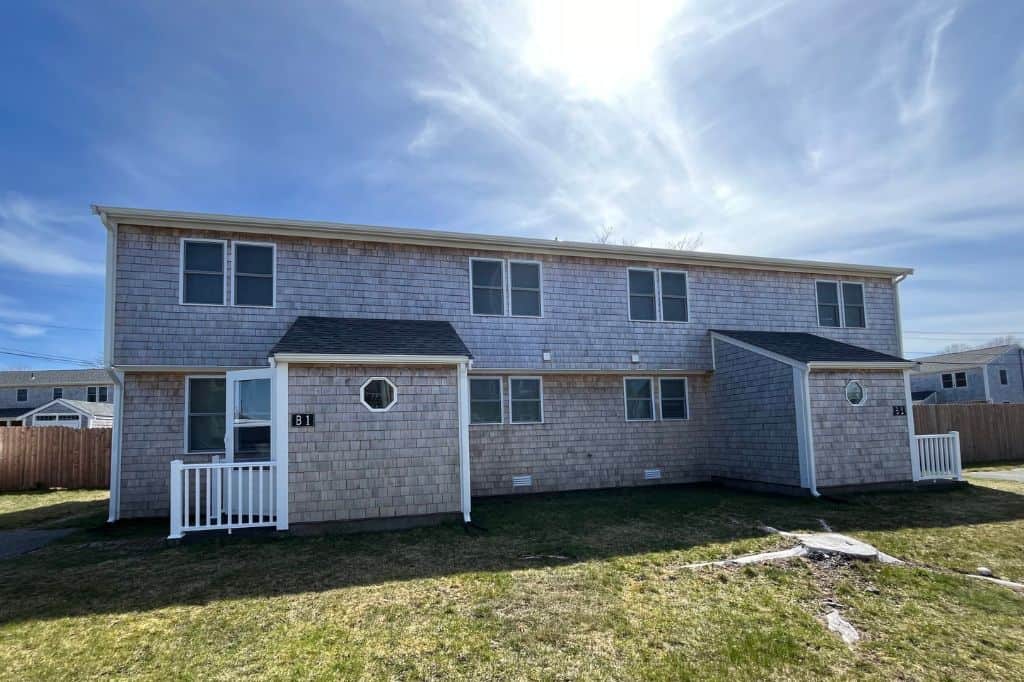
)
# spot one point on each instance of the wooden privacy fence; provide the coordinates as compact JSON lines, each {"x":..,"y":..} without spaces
{"x":988,"y":433}
{"x":54,"y":457}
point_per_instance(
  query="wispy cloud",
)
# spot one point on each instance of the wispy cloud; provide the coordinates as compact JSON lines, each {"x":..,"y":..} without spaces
{"x":41,"y":239}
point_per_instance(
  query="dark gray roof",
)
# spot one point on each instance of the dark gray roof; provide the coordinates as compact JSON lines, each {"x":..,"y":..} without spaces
{"x":360,"y":336}
{"x":921,"y":395}
{"x":951,"y":362}
{"x":804,"y":347}
{"x":54,"y":377}
{"x":14,"y":412}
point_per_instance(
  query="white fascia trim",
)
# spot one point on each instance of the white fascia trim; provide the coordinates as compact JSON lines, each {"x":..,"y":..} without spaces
{"x":757,"y":349}
{"x":899,"y":313}
{"x":179,"y":369}
{"x":394,"y":235}
{"x":817,"y":364}
{"x":333,"y":359}
{"x":57,"y":401}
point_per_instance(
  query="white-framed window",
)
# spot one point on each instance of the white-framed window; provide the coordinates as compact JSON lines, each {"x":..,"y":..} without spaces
{"x":854,"y":392}
{"x":21,"y":395}
{"x":674,"y":306}
{"x":67,"y":417}
{"x":103,"y":395}
{"x":525,"y":289}
{"x":526,"y":400}
{"x":204,"y":413}
{"x":643,"y":294}
{"x":487,"y":286}
{"x":853,"y":305}
{"x":58,"y":392}
{"x":378,"y":394}
{"x":638,"y":395}
{"x":255,"y":274}
{"x":96,"y":394}
{"x":828,"y":303}
{"x":45,"y":418}
{"x":674,"y":395}
{"x":485,"y":400}
{"x":840,"y":304}
{"x":1004,"y":378}
{"x":203,"y":268}
{"x":954,"y":379}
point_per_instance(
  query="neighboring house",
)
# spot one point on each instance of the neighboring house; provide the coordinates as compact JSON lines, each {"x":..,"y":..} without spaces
{"x":982,"y":375}
{"x":349,"y":372}
{"x":75,"y":414}
{"x":22,"y":391}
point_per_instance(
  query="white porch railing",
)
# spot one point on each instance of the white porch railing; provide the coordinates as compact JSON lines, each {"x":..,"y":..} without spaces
{"x":938,"y":456}
{"x":222,"y":495}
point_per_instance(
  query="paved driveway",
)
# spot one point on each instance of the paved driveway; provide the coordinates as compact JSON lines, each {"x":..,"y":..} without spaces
{"x":1007,"y":475}
{"x":15,"y":542}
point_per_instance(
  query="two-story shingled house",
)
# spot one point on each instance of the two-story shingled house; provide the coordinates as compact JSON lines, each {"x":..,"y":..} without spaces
{"x":281,"y":371}
{"x":73,"y":398}
{"x":980,"y":375}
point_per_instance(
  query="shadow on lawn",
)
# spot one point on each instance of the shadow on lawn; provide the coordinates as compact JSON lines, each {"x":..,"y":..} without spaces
{"x":59,"y":515}
{"x":129,"y":568}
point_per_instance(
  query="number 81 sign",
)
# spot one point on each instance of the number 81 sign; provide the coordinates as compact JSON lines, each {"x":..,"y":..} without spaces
{"x":302,"y":420}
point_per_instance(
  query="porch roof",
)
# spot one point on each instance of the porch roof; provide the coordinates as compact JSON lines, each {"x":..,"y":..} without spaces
{"x":810,"y":348}
{"x":371,"y":337}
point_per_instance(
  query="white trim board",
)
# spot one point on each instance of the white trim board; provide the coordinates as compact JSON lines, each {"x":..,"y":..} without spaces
{"x":335,"y":359}
{"x":113,"y":216}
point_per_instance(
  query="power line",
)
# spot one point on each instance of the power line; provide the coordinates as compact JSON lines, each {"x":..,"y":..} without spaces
{"x":51,"y":326}
{"x":43,"y":356}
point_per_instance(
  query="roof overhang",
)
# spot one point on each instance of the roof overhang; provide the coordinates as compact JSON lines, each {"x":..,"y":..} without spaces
{"x":60,"y":401}
{"x":401,"y":360}
{"x":113,"y":216}
{"x":813,"y":364}
{"x":861,"y":365}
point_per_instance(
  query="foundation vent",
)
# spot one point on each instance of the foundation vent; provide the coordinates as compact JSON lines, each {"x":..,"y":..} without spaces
{"x":524,"y":481}
{"x":652,"y":474}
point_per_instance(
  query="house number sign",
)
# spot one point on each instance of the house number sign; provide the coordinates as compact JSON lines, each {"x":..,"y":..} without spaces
{"x":303,"y":419}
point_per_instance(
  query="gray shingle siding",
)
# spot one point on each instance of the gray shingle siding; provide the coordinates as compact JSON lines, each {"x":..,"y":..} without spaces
{"x":586,"y":442}
{"x":40,"y":395}
{"x":972,"y":393}
{"x":357,"y":464}
{"x":1013,"y":362}
{"x":752,"y":435}
{"x":586,"y":323}
{"x":863,"y":444}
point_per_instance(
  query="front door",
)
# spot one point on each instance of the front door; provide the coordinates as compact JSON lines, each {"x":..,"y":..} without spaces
{"x":248,"y":438}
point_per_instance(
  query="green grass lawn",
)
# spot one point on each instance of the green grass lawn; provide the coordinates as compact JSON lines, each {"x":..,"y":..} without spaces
{"x":577,"y":585}
{"x":52,"y":509}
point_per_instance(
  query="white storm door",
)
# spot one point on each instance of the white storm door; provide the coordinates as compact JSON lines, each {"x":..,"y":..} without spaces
{"x":247,"y":436}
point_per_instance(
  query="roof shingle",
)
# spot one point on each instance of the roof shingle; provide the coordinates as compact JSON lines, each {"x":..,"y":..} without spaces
{"x":804,"y":347}
{"x":362,"y":336}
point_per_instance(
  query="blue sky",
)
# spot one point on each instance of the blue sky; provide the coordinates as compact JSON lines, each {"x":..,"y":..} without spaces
{"x":878,"y":132}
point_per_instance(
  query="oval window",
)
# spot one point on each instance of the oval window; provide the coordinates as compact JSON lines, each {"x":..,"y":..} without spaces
{"x":378,"y":394}
{"x":854,"y":393}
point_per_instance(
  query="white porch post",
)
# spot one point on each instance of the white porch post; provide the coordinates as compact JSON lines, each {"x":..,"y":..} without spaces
{"x":915,"y":459}
{"x":279,"y":429}
{"x":464,"y":479}
{"x":176,"y":500}
{"x":114,"y":512}
{"x":957,"y":465}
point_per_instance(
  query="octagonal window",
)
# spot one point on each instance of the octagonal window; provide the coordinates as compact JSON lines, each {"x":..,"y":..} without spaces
{"x":855,"y":393}
{"x":378,"y":394}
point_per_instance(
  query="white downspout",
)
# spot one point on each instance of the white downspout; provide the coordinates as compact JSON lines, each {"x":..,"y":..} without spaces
{"x":805,"y":435}
{"x":899,"y":314}
{"x":464,"y":478}
{"x":115,"y":446}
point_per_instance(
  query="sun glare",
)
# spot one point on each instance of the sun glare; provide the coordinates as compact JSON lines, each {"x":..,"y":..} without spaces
{"x":599,"y":47}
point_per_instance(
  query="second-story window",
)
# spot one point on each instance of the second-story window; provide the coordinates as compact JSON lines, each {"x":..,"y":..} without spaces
{"x":828,"y":304}
{"x":22,"y":395}
{"x":202,"y":275}
{"x":853,"y":305}
{"x":254,"y":274}
{"x":642,"y":298}
{"x":95,"y":394}
{"x":488,"y":285}
{"x":1004,"y":378}
{"x":58,"y":393}
{"x":524,"y":288}
{"x":673,"y":297}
